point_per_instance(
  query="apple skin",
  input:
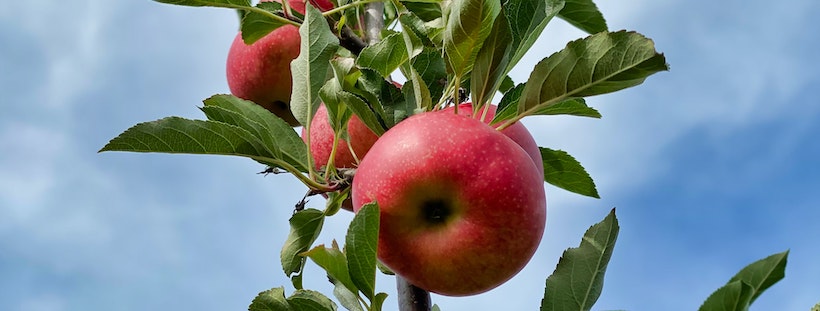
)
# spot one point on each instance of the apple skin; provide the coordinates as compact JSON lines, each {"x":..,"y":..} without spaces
{"x":260,"y":72}
{"x":321,"y":140}
{"x":517,"y":132}
{"x":462,"y":206}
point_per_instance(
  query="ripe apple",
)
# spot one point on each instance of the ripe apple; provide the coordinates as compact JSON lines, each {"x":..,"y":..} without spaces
{"x":517,"y":132}
{"x":260,"y":72}
{"x":321,"y":140}
{"x":462,"y":205}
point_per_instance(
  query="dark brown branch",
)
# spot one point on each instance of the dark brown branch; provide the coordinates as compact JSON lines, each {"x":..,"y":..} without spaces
{"x":412,"y":298}
{"x":351,"y":41}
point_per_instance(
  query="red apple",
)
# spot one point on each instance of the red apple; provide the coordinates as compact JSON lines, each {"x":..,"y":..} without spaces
{"x":260,"y":72}
{"x":517,"y":132}
{"x":462,"y":205}
{"x":321,"y":140}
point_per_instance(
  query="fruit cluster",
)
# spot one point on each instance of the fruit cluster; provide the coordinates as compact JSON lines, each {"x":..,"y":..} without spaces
{"x":462,"y":204}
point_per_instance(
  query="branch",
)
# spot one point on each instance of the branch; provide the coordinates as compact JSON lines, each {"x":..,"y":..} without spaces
{"x":351,"y":41}
{"x":411,"y":298}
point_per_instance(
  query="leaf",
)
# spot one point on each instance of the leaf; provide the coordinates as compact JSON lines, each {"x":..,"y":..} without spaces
{"x":816,"y":307}
{"x":213,"y":3}
{"x":334,"y":262}
{"x":179,"y":135}
{"x":491,"y":61}
{"x":764,"y":273}
{"x":563,"y":171}
{"x":578,"y":278}
{"x":432,"y":69}
{"x":379,"y":301}
{"x":255,"y":25}
{"x":305,"y":227}
{"x":584,"y":15}
{"x":270,"y":300}
{"x":468,"y":23}
{"x":508,"y":107}
{"x":572,"y":106}
{"x":598,"y":64}
{"x":735,"y":296}
{"x":333,"y":95}
{"x":346,"y":297}
{"x":312,"y":67}
{"x":308,"y":300}
{"x":360,"y":247}
{"x":527,"y":20}
{"x":275,"y":134}
{"x":427,"y":11}
{"x":385,"y":56}
{"x":506,"y":85}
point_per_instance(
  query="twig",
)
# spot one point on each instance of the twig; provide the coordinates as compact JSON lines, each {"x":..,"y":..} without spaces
{"x":412,"y":298}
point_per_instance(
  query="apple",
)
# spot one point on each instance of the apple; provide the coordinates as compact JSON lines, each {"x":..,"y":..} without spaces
{"x":321,"y":140}
{"x":517,"y":132}
{"x":462,"y":205}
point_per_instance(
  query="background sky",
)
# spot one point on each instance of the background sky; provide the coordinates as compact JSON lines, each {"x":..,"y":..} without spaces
{"x":711,"y":165}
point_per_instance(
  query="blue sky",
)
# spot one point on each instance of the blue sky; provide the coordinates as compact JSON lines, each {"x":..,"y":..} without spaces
{"x":711,"y":165}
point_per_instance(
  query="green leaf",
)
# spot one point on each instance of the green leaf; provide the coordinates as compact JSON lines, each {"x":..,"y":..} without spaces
{"x":360,"y":247}
{"x":378,"y":302}
{"x":349,"y":299}
{"x":270,"y":300}
{"x":305,"y":227}
{"x":179,"y":135}
{"x":508,"y":107}
{"x":311,"y":68}
{"x":276,"y":134}
{"x":385,"y":56}
{"x":598,"y":64}
{"x":527,"y":20}
{"x":563,"y":171}
{"x":427,"y":11}
{"x":579,"y":276}
{"x":334,"y":262}
{"x":816,"y":307}
{"x":735,"y":296}
{"x":435,"y":308}
{"x":763,"y":273}
{"x":333,"y":95}
{"x":490,"y":65}
{"x":256,"y":25}
{"x":213,"y":3}
{"x":432,"y":69}
{"x":506,"y":85}
{"x":572,"y":106}
{"x":308,"y":300}
{"x":469,"y":22}
{"x":584,"y":15}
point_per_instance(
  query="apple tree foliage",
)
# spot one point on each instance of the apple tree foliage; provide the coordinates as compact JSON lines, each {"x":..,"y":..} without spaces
{"x":449,"y":51}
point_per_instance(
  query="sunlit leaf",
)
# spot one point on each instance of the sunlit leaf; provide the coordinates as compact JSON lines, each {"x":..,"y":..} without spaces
{"x":563,"y":171}
{"x":578,"y":278}
{"x":468,"y":24}
{"x":311,"y":68}
{"x":583,"y":14}
{"x":276,"y":134}
{"x":256,"y":25}
{"x":270,"y":300}
{"x":360,"y":247}
{"x":305,"y":227}
{"x":598,"y":64}
{"x":735,"y":296}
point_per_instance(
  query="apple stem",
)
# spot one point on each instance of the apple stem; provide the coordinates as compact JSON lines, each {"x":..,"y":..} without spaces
{"x":412,"y":298}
